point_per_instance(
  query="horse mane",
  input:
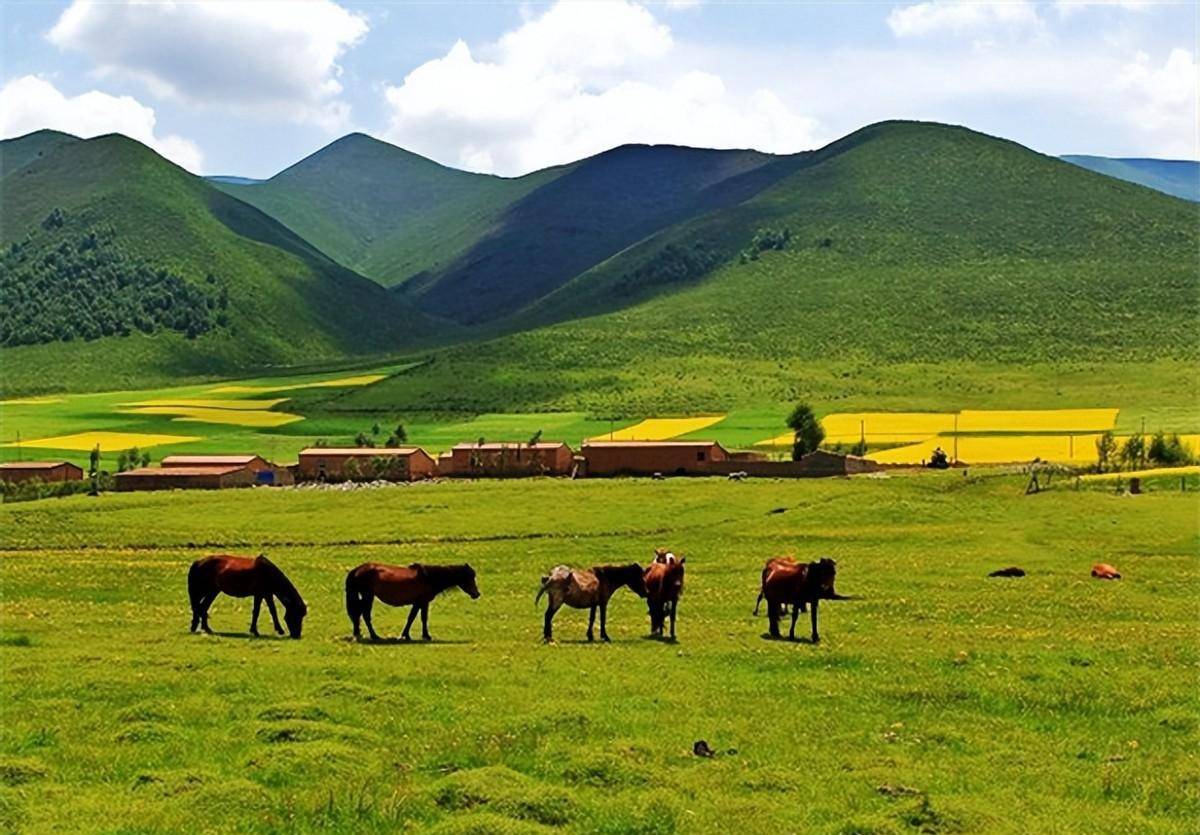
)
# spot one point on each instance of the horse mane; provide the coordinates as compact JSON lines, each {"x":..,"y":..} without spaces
{"x":454,"y":573}
{"x":290,"y":594}
{"x":618,"y":570}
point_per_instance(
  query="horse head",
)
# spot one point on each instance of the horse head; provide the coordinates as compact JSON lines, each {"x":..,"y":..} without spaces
{"x":467,"y":582}
{"x":822,"y":573}
{"x":293,"y":615}
{"x":633,"y":576}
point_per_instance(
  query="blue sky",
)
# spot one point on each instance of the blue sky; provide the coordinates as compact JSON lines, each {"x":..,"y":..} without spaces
{"x":248,"y":88}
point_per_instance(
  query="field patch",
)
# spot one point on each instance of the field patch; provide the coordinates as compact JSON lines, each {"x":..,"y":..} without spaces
{"x":31,"y":401}
{"x":660,"y":429}
{"x":1037,"y":420}
{"x":997,"y":449}
{"x":206,"y":403}
{"x":107,"y":441}
{"x":1151,"y":473}
{"x":341,"y":382}
{"x":259,"y":418}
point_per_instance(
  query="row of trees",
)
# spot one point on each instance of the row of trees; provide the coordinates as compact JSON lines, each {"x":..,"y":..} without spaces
{"x":397,"y":438}
{"x":60,"y":285}
{"x":1162,"y":450}
{"x":765,"y":240}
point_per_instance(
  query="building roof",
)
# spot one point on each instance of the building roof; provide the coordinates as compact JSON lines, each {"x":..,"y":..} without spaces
{"x":496,"y":446}
{"x":648,"y":444}
{"x":174,"y":472}
{"x":35,"y":465}
{"x":365,"y":450}
{"x":209,"y":460}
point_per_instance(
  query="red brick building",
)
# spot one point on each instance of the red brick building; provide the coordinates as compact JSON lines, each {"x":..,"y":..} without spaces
{"x":353,"y":463}
{"x":605,"y":458}
{"x":212,"y":477}
{"x":16,"y":472}
{"x":501,"y":460}
{"x":264,"y":472}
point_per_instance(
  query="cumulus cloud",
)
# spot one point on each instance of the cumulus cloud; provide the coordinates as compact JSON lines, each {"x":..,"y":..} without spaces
{"x":31,"y":103}
{"x":1162,"y":101}
{"x":577,"y":80}
{"x":274,"y":58}
{"x":939,"y":17}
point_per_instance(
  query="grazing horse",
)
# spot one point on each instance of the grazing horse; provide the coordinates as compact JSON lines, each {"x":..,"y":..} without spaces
{"x":255,"y":577}
{"x":798,"y":584}
{"x":663,"y":579}
{"x":587,"y":589}
{"x":415,"y":585}
{"x":1104,"y":571}
{"x":766,"y":572}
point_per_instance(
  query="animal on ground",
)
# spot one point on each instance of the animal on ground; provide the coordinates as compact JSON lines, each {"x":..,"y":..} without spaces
{"x":771,"y":563}
{"x":414,"y":585}
{"x":587,"y":589}
{"x":1011,"y":571}
{"x":663,"y":579}
{"x":798,"y":584}
{"x":255,"y":577}
{"x":1104,"y":571}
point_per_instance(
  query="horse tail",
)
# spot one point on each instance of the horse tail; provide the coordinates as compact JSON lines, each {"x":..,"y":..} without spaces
{"x":195,"y":592}
{"x":758,"y":603}
{"x":352,"y":599}
{"x":542,"y":590}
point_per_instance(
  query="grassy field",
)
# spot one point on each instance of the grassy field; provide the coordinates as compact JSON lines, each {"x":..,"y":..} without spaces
{"x":941,"y":701}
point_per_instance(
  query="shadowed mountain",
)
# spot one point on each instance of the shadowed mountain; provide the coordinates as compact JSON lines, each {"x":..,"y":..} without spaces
{"x":1179,"y":178}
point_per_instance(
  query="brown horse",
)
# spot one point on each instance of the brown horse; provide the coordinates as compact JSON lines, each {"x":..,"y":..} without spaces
{"x":771,"y":564}
{"x":582,"y":589}
{"x":798,"y":584}
{"x":255,"y":577}
{"x":415,"y":585}
{"x":663,"y":579}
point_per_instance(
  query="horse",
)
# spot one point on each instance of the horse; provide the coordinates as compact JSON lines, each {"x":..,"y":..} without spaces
{"x":1104,"y":571}
{"x":798,"y":584}
{"x":663,"y":579}
{"x":771,"y":563}
{"x":255,"y":577}
{"x":587,"y":589}
{"x":415,"y":585}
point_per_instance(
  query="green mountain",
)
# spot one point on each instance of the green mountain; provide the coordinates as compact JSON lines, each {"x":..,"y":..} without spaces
{"x":1180,"y":178}
{"x":118,"y":266}
{"x":382,"y":211}
{"x":902,"y":246}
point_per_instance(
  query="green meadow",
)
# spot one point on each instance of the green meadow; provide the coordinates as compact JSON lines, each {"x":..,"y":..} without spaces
{"x":938,"y":701}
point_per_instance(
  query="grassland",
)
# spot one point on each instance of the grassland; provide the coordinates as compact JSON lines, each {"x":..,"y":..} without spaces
{"x":941,"y":701}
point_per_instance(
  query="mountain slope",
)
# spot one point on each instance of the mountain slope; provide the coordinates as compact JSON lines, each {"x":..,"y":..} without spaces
{"x":906,"y":245}
{"x":1179,"y":178}
{"x":380,"y":210}
{"x":112,"y":251}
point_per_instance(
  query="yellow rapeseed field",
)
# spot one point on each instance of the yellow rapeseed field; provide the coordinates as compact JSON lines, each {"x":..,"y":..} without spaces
{"x":998,"y":449}
{"x":31,"y":401}
{"x":360,"y":380}
{"x":1180,"y":471}
{"x":1037,"y":420}
{"x":108,"y":441}
{"x":202,"y":403}
{"x":229,"y":417}
{"x":660,"y":429}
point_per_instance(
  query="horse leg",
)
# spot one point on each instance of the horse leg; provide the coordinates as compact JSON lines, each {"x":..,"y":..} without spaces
{"x":547,"y":629}
{"x":604,"y":621}
{"x":591,"y":623}
{"x":816,"y":639}
{"x":274,"y":614}
{"x":368,"y":600}
{"x":795,"y":615}
{"x":254,"y":617}
{"x":425,"y":622}
{"x":674,"y":604}
{"x":412,"y":616}
{"x":205,"y":605}
{"x":773,"y":618}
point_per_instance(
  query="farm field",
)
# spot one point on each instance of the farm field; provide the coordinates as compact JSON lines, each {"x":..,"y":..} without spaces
{"x":940,"y":701}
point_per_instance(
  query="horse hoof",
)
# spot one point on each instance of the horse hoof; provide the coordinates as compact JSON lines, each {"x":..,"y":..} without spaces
{"x":426,"y":637}
{"x":606,"y":639}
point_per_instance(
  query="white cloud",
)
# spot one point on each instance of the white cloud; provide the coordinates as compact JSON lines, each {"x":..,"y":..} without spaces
{"x":577,"y":80}
{"x":1162,"y":101}
{"x":937,"y":17}
{"x":1066,"y":8}
{"x":274,"y":58}
{"x":30,"y":103}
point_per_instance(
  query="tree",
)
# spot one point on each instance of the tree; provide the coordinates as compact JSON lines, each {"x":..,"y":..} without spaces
{"x":94,"y":462}
{"x":1106,"y":451}
{"x":1168,"y":450}
{"x":1134,"y":451}
{"x":375,"y":428}
{"x":535,"y":438}
{"x":362,"y":439}
{"x":807,"y":433}
{"x":399,"y":436}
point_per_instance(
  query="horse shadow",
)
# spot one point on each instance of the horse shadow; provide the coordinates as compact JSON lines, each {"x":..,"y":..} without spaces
{"x":661,"y":639}
{"x":766,"y":636}
{"x":397,"y":641}
{"x":246,"y":636}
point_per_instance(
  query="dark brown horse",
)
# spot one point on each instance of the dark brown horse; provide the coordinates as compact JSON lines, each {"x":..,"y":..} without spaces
{"x":798,"y":584}
{"x":664,"y":586}
{"x":255,"y":577}
{"x":414,"y":585}
{"x":584,"y":589}
{"x":771,"y":564}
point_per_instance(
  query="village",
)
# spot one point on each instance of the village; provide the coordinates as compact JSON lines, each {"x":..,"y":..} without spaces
{"x":323,"y":464}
